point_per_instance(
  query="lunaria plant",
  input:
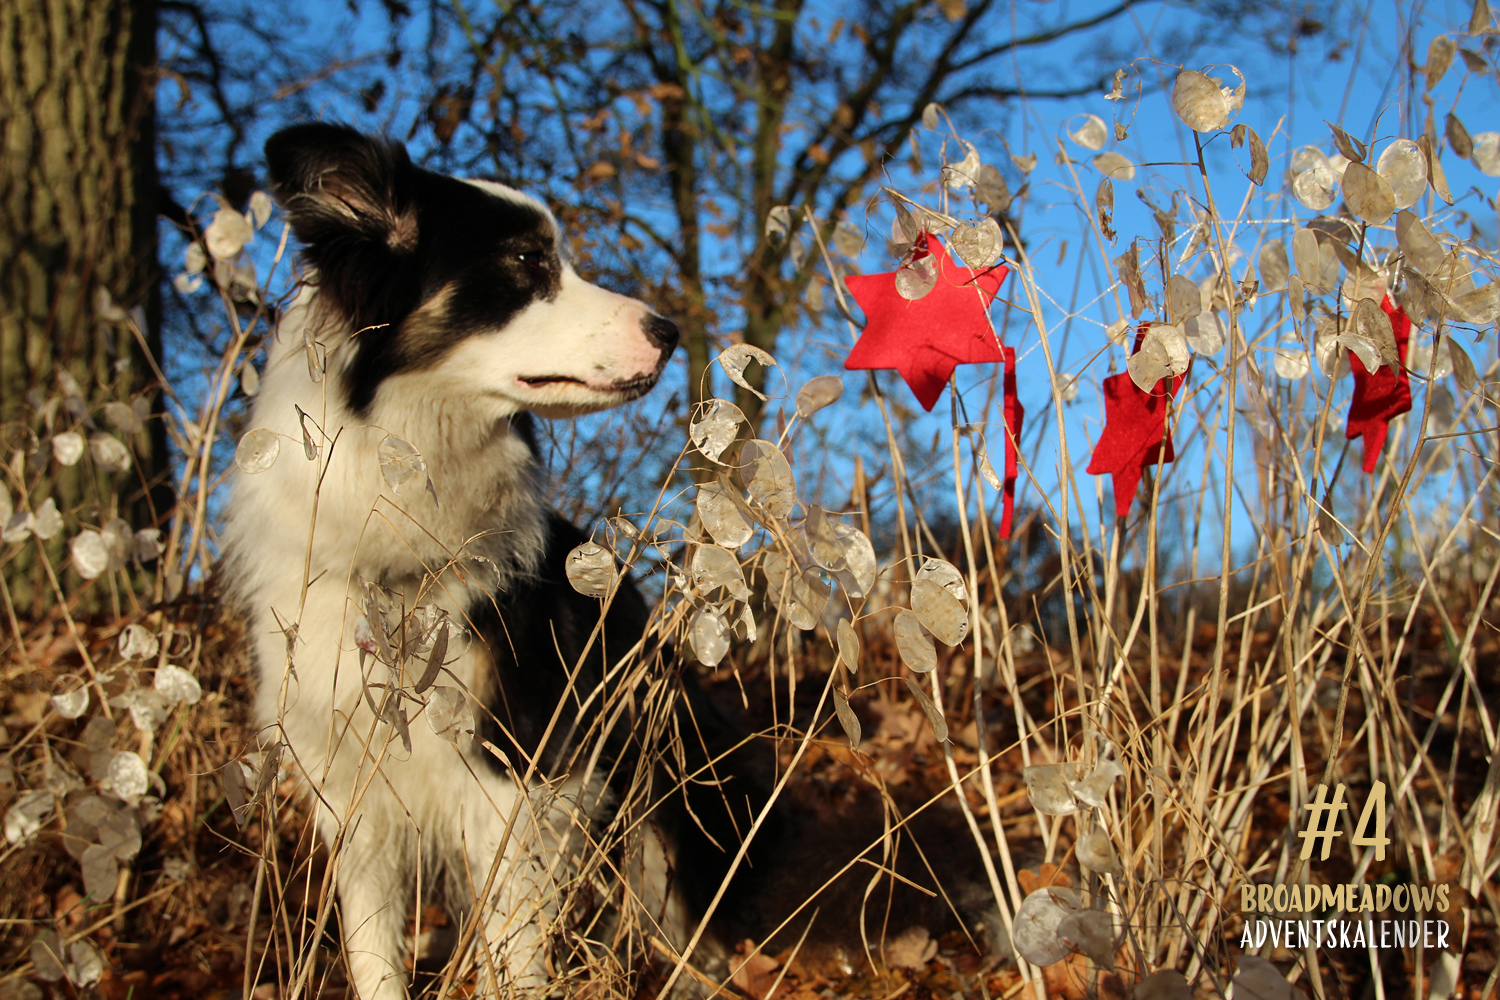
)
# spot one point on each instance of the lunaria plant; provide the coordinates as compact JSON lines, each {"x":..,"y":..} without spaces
{"x":1150,"y":784}
{"x":1129,"y":712}
{"x":127,"y":701}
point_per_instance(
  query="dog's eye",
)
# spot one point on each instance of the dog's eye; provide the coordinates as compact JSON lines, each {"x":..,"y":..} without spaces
{"x":531,"y":258}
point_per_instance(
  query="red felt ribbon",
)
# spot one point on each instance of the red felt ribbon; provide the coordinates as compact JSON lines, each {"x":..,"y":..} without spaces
{"x":925,"y":339}
{"x":1015,"y":414}
{"x":1135,"y":431}
{"x":1381,"y":395}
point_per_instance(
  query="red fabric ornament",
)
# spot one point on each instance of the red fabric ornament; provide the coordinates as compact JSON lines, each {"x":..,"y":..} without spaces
{"x":926,"y":338}
{"x":1135,"y":432}
{"x":1015,"y":415}
{"x":1381,"y":395}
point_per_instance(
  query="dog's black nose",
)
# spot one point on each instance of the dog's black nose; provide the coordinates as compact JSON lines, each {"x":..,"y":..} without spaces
{"x":663,"y":333}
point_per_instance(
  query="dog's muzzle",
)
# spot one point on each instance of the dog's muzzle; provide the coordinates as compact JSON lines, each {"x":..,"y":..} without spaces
{"x":663,"y":334}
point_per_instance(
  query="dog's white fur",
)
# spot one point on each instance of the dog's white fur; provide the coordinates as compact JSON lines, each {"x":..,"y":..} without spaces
{"x":306,"y":536}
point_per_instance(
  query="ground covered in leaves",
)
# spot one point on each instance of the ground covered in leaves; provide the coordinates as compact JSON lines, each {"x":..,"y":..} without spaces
{"x":175,"y":925}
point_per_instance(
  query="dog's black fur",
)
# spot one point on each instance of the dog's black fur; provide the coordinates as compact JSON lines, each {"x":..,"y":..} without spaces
{"x":454,"y":315}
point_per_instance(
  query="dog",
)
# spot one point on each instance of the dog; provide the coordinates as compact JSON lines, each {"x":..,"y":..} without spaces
{"x":436,"y":319}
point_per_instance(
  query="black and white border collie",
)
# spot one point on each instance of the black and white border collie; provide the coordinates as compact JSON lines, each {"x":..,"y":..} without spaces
{"x":444,"y":313}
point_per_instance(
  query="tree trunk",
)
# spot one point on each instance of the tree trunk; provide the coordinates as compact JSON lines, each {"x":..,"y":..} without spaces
{"x":78,"y":196}
{"x":765,"y":292}
{"x":680,"y":145}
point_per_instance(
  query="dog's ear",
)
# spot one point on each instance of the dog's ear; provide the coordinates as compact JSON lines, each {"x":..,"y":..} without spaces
{"x":339,"y":186}
{"x":352,"y":201}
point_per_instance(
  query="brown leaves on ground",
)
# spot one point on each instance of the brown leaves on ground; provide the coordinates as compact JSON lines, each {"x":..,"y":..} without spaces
{"x":754,"y":972}
{"x":1046,"y":876}
{"x":187,"y":939}
{"x":915,"y":967}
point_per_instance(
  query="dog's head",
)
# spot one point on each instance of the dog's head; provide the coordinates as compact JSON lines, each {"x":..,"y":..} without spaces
{"x":461,"y":282}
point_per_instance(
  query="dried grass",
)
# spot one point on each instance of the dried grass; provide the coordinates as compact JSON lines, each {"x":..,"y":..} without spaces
{"x":1338,"y":635}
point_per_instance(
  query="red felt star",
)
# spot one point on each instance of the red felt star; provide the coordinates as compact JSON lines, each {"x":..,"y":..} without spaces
{"x":1135,"y":433}
{"x":1382,"y":394}
{"x":926,"y":338}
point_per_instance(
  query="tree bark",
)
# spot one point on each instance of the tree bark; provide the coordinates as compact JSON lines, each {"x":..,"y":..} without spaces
{"x":78,"y":195}
{"x":680,"y":146}
{"x":765,"y":308}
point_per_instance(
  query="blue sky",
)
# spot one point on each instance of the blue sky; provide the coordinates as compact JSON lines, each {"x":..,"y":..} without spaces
{"x":1363,"y":85}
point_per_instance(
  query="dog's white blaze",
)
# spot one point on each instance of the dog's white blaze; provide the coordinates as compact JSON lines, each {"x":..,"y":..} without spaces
{"x":585,"y":333}
{"x":513,"y":196}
